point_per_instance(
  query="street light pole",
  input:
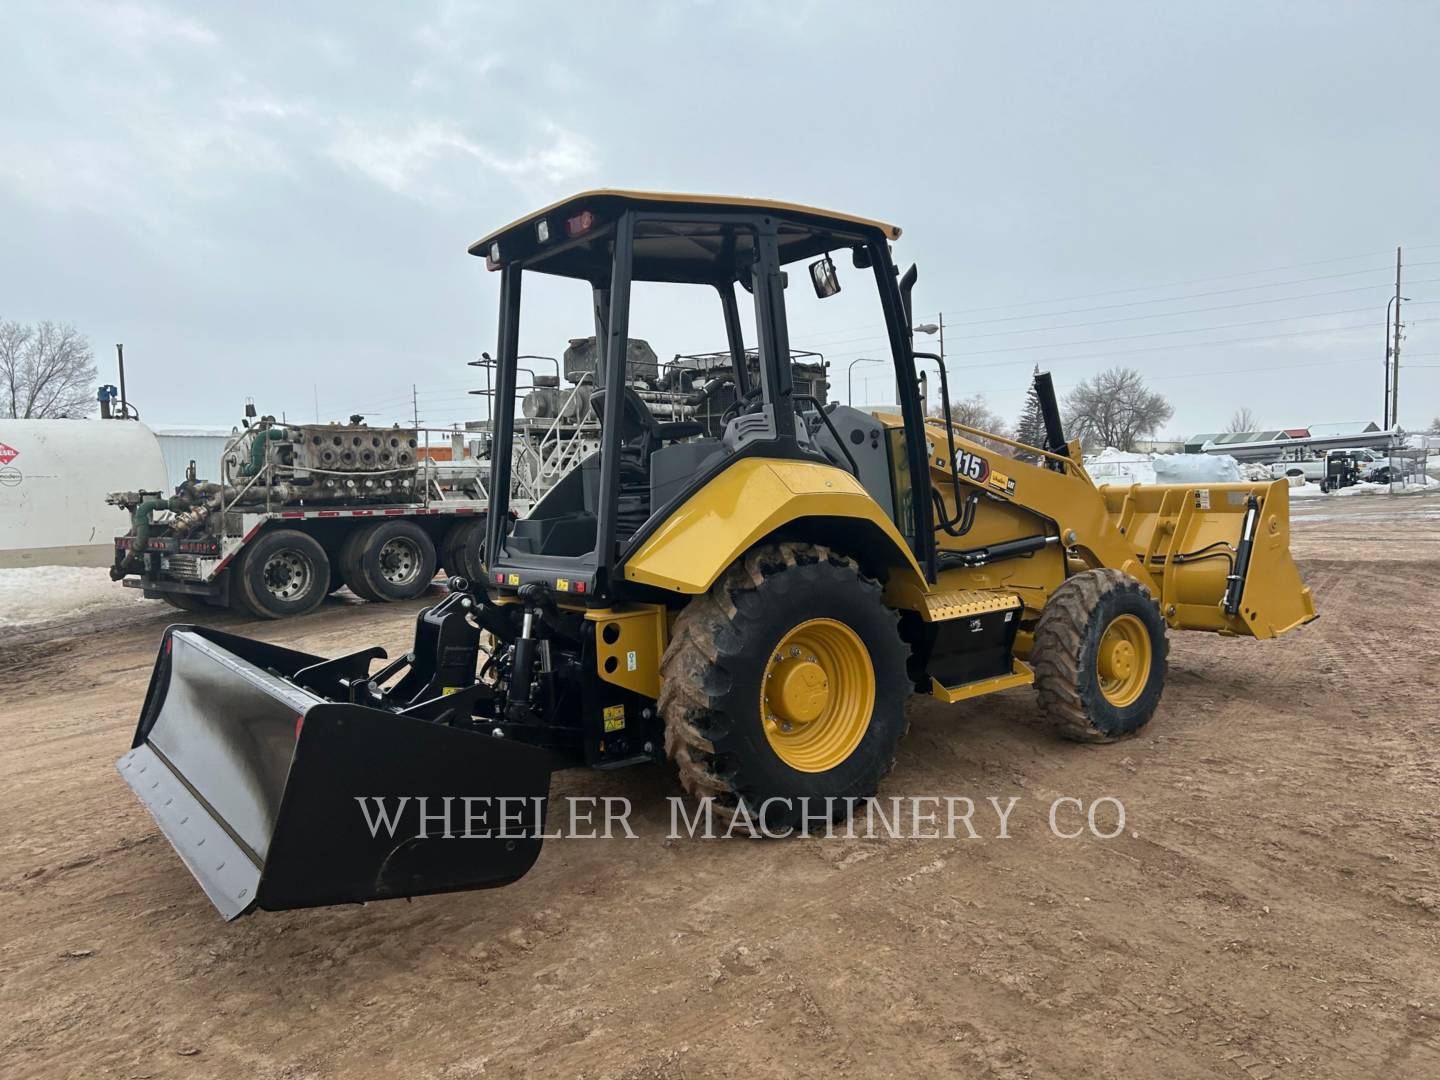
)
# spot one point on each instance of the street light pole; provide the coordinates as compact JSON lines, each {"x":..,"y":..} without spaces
{"x":937,"y":328}
{"x":850,"y":376}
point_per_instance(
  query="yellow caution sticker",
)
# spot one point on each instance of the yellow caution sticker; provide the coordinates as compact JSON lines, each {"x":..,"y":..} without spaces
{"x":514,"y":579}
{"x":614,"y":717}
{"x":562,"y":584}
{"x":446,"y":691}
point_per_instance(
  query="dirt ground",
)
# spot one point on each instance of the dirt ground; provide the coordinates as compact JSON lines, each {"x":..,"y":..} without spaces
{"x":1272,"y":908}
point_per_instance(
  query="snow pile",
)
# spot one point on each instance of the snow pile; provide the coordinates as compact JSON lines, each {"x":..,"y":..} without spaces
{"x":1112,"y":466}
{"x":1255,"y":473}
{"x":38,"y":594}
{"x":1196,"y":469}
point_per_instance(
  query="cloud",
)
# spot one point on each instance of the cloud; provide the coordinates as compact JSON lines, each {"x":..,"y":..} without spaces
{"x":420,"y":160}
{"x":139,"y":26}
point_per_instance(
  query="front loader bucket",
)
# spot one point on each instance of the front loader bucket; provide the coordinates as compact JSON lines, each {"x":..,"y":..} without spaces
{"x":278,"y":798}
{"x":1220,"y":554}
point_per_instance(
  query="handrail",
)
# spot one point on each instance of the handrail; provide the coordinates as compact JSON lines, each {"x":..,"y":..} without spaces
{"x":993,"y":437}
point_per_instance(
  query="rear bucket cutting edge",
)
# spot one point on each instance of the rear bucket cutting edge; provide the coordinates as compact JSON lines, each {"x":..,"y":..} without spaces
{"x":278,"y":798}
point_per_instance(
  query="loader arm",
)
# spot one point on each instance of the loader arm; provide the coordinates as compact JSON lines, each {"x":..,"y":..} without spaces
{"x":1215,"y":556}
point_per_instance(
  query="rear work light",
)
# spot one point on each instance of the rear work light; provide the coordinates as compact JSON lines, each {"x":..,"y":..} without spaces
{"x":492,"y":260}
{"x":542,"y":231}
{"x":580,"y":224}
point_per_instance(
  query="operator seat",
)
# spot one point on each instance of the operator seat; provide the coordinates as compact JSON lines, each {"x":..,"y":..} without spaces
{"x":640,"y":432}
{"x":640,"y":436}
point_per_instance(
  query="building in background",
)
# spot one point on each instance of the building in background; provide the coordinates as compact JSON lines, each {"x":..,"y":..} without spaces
{"x":181,"y":445}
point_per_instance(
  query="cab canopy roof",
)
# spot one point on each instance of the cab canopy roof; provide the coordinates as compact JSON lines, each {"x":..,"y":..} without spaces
{"x":571,"y":237}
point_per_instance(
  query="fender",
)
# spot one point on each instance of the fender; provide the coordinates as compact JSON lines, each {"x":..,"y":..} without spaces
{"x":754,"y":498}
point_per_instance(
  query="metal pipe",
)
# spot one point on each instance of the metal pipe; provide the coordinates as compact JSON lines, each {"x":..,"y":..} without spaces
{"x":120,"y":357}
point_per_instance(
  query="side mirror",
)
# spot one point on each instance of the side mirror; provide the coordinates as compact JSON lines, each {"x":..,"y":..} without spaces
{"x":860,"y":256}
{"x":824,"y":278}
{"x":250,"y":410}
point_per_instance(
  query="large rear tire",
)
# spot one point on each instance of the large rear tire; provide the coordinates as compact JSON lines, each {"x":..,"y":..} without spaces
{"x":784,"y":686}
{"x":1099,"y":657}
{"x":388,"y":560}
{"x":281,"y":574}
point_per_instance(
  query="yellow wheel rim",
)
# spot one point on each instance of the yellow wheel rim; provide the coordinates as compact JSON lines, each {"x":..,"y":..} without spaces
{"x":817,"y":695}
{"x":1123,"y":664}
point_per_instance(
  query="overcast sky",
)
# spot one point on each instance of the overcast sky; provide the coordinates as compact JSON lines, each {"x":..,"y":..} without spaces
{"x":274,"y":200}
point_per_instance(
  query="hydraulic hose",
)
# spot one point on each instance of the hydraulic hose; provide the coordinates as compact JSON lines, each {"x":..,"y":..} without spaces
{"x":257,"y":448}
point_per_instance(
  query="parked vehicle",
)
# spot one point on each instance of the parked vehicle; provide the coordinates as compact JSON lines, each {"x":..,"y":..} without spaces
{"x":1368,"y":465}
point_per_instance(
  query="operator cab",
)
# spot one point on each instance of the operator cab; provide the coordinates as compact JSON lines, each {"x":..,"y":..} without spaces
{"x":662,"y":437}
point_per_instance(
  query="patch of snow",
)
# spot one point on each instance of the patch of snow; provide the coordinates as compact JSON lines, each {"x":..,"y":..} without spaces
{"x":38,"y":594}
{"x":1196,"y":469}
{"x":1112,"y":466}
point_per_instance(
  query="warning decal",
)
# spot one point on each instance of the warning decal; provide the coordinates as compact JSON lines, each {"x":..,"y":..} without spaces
{"x":7,"y":454}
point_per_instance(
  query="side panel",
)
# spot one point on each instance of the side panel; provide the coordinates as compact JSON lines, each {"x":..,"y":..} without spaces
{"x":745,"y":503}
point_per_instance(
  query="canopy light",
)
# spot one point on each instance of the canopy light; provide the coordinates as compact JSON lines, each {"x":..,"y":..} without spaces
{"x":580,"y":224}
{"x":492,"y":261}
{"x":542,"y":231}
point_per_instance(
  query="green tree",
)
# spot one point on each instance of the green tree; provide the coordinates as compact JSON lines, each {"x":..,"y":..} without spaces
{"x":1030,"y":428}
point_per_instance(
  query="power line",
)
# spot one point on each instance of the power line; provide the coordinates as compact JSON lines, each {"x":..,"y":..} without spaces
{"x":1178,"y":284}
{"x":1186,"y":296}
{"x":1131,"y":318}
{"x":1187,"y":311}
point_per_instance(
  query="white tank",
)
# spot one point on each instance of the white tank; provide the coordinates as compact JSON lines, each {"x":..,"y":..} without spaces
{"x":54,"y":476}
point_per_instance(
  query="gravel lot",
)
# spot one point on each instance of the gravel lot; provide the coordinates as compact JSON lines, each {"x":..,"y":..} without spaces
{"x":1272,"y":908}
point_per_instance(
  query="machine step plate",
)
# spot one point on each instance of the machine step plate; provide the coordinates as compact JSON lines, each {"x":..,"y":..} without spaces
{"x":963,"y":603}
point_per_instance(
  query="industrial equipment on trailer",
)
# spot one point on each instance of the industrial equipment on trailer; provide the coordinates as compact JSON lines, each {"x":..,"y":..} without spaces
{"x":754,"y":607}
{"x":301,"y":510}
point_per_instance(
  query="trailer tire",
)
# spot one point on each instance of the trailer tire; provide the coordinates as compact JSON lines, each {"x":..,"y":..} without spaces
{"x":283,"y":573}
{"x":463,"y":550}
{"x":1099,"y":657}
{"x":349,"y":560}
{"x":185,"y":601}
{"x":389,"y":560}
{"x":780,"y":607}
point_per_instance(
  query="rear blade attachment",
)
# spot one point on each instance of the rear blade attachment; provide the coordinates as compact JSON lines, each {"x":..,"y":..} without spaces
{"x":278,"y":798}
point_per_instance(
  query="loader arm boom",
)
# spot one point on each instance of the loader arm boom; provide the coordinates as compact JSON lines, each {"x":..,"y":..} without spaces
{"x":1215,"y":556}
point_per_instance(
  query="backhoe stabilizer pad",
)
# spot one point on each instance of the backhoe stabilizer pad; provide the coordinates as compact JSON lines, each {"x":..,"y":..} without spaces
{"x":277,"y":798}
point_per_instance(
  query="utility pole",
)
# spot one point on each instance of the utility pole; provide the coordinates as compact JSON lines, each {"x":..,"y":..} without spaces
{"x":1395,"y":351}
{"x":415,"y":404}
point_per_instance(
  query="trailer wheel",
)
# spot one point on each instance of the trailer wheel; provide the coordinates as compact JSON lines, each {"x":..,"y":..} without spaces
{"x":785,"y":687}
{"x":463,"y":550}
{"x":1099,"y":657}
{"x":283,"y":573}
{"x":389,"y":560}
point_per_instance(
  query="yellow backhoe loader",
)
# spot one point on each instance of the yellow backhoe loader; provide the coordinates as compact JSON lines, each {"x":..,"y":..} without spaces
{"x":752,"y":600}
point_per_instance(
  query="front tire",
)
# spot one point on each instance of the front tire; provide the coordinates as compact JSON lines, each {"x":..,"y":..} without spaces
{"x":1099,"y":657}
{"x":784,"y":687}
{"x":281,"y":574}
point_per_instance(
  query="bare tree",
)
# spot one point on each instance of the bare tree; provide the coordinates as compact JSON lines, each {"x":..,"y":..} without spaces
{"x":1115,"y":408}
{"x":1243,"y":420}
{"x":46,"y":371}
{"x":975,"y":412}
{"x":1435,"y":426}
